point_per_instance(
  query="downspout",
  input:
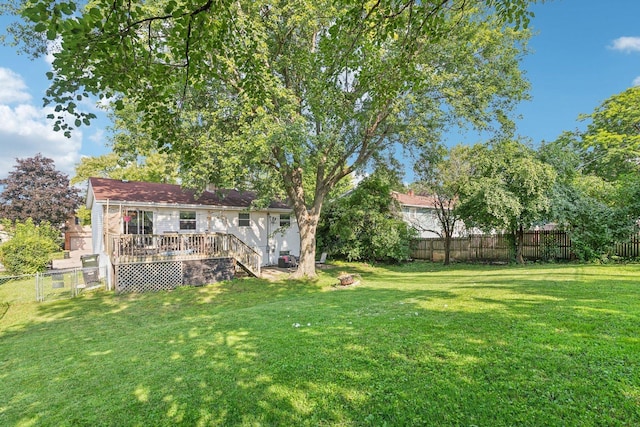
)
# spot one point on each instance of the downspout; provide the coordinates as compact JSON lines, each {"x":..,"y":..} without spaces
{"x":268,"y":248}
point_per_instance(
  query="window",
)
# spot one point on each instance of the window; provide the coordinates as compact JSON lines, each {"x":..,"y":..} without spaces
{"x":138,"y":222}
{"x":285,"y":220}
{"x":244,"y":220}
{"x":187,"y":220}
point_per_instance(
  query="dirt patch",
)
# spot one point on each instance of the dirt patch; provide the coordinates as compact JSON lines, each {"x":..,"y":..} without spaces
{"x":273,"y":274}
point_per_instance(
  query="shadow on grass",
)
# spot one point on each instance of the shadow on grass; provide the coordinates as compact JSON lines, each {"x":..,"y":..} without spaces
{"x":397,"y":351}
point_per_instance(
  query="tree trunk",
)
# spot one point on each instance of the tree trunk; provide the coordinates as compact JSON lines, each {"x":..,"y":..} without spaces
{"x":307,"y":262}
{"x":519,"y":245}
{"x":447,"y":247}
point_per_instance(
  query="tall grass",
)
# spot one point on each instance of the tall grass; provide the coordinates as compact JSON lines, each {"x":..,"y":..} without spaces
{"x":413,"y":345}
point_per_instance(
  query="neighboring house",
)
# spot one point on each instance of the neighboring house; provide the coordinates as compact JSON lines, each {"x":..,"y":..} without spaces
{"x":420,"y":212}
{"x":140,"y":222}
{"x":77,"y":237}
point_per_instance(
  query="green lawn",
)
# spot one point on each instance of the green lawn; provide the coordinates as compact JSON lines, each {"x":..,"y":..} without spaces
{"x":413,"y":345}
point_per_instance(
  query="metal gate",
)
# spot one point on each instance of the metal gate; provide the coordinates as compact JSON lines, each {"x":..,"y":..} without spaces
{"x":69,"y":283}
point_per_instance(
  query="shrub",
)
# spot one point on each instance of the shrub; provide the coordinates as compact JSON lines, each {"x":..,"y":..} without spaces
{"x":366,"y":225}
{"x":30,"y":247}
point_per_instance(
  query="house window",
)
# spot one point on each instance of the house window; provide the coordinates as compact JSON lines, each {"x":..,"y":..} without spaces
{"x":187,"y":220}
{"x":138,"y":222}
{"x":285,"y":220}
{"x":244,"y":219}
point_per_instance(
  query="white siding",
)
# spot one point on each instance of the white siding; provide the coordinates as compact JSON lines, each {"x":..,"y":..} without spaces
{"x":97,"y":228}
{"x":425,"y":222}
{"x":263,"y":234}
{"x":166,"y":220}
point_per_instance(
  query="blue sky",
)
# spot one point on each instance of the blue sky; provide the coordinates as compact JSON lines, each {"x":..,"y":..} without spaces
{"x":583,"y":52}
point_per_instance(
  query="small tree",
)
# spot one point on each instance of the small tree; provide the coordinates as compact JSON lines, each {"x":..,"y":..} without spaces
{"x":36,"y":190}
{"x":508,"y":189}
{"x":365,"y":225}
{"x":30,"y":247}
{"x":441,"y":172}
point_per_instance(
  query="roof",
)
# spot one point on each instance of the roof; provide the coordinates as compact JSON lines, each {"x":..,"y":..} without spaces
{"x":121,"y":191}
{"x":412,"y":199}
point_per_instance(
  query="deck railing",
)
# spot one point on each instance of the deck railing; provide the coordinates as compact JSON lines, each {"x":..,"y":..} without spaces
{"x":142,"y":247}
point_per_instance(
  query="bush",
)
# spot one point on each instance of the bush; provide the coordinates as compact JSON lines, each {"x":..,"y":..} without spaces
{"x":365,"y":225}
{"x":30,"y":247}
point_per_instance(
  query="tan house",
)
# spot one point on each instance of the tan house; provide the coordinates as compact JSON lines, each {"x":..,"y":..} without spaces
{"x":77,"y":237}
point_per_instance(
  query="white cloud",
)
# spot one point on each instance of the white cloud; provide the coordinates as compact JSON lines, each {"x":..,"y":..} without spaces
{"x":636,"y":81}
{"x":12,"y":87}
{"x":25,"y":130}
{"x":626,"y":44}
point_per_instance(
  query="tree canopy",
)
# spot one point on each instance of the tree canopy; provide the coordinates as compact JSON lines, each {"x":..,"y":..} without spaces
{"x":36,"y":190}
{"x":279,"y":94}
{"x":612,"y":139}
{"x":508,"y":188}
{"x":596,"y":195}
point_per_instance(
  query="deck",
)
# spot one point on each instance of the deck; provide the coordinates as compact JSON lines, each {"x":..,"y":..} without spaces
{"x":148,"y":248}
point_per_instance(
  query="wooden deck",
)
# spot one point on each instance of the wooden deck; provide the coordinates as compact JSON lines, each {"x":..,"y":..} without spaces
{"x":147,"y":248}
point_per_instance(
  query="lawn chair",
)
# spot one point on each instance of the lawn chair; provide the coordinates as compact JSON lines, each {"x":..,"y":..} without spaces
{"x":323,"y":259}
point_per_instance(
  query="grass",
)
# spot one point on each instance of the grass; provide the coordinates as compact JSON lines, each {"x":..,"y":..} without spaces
{"x":418,"y":344}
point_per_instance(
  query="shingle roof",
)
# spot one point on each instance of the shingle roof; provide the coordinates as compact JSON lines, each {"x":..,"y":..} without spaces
{"x":414,"y":200}
{"x":170,"y":194}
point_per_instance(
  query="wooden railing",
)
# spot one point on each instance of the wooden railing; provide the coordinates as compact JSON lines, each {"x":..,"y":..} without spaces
{"x":141,"y":247}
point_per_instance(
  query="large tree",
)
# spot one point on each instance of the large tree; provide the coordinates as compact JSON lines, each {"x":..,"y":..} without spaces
{"x":36,"y":190}
{"x":281,"y":94}
{"x":134,"y":157}
{"x":596,"y":195}
{"x":611,"y":142}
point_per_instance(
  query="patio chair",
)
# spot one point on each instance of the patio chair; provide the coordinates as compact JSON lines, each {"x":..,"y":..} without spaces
{"x":323,"y":258}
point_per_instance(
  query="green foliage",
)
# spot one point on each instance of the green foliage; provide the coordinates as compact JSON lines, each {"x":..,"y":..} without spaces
{"x":36,"y":190}
{"x":442,"y":173}
{"x":30,"y":247}
{"x":84,"y":214}
{"x":155,"y":167}
{"x":508,"y":187}
{"x":612,"y":139}
{"x":596,"y":195}
{"x":365,"y":224}
{"x":288,"y":97}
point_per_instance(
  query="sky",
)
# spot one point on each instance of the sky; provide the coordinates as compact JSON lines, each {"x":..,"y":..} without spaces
{"x":582,"y":52}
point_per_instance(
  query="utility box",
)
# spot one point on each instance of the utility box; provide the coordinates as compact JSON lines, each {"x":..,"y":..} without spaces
{"x":90,"y":268}
{"x":89,"y":260}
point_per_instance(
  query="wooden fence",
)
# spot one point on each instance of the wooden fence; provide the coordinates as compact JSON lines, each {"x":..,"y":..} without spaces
{"x":538,"y":245}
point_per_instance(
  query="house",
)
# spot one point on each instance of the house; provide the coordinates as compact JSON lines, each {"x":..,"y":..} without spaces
{"x":77,"y":237}
{"x":153,"y":232}
{"x":420,"y":212}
